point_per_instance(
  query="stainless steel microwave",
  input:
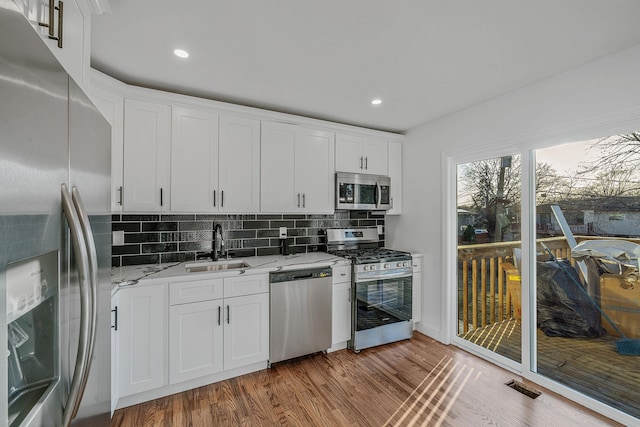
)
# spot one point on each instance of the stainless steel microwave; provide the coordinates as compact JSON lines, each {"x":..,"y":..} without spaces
{"x":357,"y":191}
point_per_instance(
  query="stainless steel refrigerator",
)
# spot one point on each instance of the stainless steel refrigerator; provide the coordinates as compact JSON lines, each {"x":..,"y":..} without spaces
{"x":55,"y":230}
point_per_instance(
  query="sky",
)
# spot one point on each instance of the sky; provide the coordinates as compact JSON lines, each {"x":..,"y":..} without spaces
{"x":567,"y":157}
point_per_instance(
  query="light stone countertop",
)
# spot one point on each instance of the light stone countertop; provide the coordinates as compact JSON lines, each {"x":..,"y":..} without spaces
{"x":136,"y":275}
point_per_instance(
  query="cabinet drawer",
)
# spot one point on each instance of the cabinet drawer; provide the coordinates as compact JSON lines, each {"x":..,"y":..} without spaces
{"x":195,"y":291}
{"x":417,"y":264}
{"x":246,"y":285}
{"x":341,"y":273}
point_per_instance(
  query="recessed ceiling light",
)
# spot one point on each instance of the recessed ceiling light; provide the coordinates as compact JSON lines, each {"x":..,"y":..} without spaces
{"x":181,"y":53}
{"x":376,"y":101}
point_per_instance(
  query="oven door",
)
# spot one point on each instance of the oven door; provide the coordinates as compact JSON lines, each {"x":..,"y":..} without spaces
{"x":381,"y":311}
{"x":382,"y":302}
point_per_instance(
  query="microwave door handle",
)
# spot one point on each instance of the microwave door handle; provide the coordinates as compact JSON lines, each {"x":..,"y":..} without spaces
{"x":378,"y":195}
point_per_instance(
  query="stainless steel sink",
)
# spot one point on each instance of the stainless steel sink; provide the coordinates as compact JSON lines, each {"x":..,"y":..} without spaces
{"x":199,"y":267}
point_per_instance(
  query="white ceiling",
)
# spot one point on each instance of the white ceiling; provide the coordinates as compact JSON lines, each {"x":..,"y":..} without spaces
{"x":327,"y":59}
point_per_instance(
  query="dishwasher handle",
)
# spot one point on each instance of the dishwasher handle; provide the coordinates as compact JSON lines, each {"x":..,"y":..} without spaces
{"x":302,"y":274}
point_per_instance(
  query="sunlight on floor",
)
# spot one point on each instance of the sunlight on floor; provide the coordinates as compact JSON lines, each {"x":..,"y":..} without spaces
{"x":430,"y":403}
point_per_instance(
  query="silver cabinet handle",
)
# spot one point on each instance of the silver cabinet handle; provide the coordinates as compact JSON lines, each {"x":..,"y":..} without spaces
{"x":228,"y":315}
{"x":304,"y":203}
{"x":51,"y":15}
{"x":298,"y":199}
{"x":115,"y":318}
{"x":366,"y":163}
{"x":219,"y":312}
{"x":214,"y":198}
{"x":76,"y":388}
{"x":121,"y":198}
{"x":60,"y":25}
{"x":360,"y":162}
{"x":222,"y":199}
{"x":161,"y":197}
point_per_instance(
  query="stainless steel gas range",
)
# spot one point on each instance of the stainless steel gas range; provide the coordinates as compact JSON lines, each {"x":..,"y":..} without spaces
{"x":381,"y":287}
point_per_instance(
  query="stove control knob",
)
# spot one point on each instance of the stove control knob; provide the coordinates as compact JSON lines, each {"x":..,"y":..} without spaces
{"x":385,"y":266}
{"x":399,"y":264}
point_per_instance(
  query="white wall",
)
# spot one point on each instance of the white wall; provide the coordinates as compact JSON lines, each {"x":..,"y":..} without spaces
{"x":598,"y":99}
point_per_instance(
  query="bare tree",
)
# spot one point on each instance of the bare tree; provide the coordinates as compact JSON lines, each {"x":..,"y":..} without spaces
{"x":616,"y":172}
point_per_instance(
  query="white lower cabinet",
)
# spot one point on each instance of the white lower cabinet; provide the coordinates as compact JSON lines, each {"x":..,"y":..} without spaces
{"x":341,"y":306}
{"x":246,"y":330}
{"x":195,"y":340}
{"x":172,"y":334}
{"x":142,"y":338}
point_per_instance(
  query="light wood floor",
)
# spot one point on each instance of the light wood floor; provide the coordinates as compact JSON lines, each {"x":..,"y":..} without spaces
{"x":414,"y":382}
{"x":591,"y":366}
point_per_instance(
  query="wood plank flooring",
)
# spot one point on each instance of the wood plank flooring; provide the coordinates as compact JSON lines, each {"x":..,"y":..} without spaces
{"x":591,"y":366}
{"x":417,"y":382}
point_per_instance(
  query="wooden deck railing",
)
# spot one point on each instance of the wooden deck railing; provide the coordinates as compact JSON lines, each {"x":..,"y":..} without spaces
{"x":483,"y":296}
{"x":482,"y":290}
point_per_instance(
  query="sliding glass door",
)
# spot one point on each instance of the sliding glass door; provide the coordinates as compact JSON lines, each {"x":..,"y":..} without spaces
{"x":587,"y":215}
{"x":488,"y":255}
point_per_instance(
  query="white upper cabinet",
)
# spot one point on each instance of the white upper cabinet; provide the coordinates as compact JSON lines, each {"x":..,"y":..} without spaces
{"x":361,"y":154}
{"x":395,"y":173}
{"x":297,"y":169}
{"x":147,"y":156}
{"x":111,"y":105}
{"x":315,"y":151}
{"x":66,"y":31}
{"x":215,"y":162}
{"x":277,"y":183}
{"x":194,"y":160}
{"x":239,"y":166}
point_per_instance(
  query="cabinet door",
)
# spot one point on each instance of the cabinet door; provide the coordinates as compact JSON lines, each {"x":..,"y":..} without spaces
{"x":417,"y":288}
{"x":147,"y":151}
{"x":349,"y":157}
{"x":112,"y":106}
{"x":395,"y":172}
{"x":73,"y":55}
{"x":246,"y":330}
{"x":194,"y":160}
{"x":195,"y":340}
{"x":239,"y":165}
{"x":142,"y":327}
{"x":115,"y":350}
{"x":375,"y":156}
{"x":278,"y":186}
{"x":341,"y":313}
{"x":315,"y":173}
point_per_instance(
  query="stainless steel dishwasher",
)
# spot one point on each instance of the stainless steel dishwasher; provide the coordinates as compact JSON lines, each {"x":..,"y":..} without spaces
{"x":300,"y":309}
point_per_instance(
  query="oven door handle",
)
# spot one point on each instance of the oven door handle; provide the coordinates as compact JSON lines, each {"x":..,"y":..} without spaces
{"x":398,"y":275}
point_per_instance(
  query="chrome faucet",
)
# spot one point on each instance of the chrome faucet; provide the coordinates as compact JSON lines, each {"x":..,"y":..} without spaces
{"x":218,"y":243}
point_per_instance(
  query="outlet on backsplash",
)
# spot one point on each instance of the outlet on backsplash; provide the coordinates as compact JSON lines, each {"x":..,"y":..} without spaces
{"x":118,"y":238}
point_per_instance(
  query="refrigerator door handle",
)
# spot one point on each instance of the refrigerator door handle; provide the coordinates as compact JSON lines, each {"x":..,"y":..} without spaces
{"x":93,"y":285}
{"x":76,"y":387}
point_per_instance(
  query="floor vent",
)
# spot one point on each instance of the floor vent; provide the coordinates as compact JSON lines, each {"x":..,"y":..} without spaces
{"x":526,"y":390}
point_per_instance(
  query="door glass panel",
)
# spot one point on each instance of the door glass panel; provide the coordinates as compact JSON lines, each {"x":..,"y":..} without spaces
{"x":366,"y":194}
{"x":488,"y":228}
{"x":588,"y":292}
{"x":382,"y":302}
